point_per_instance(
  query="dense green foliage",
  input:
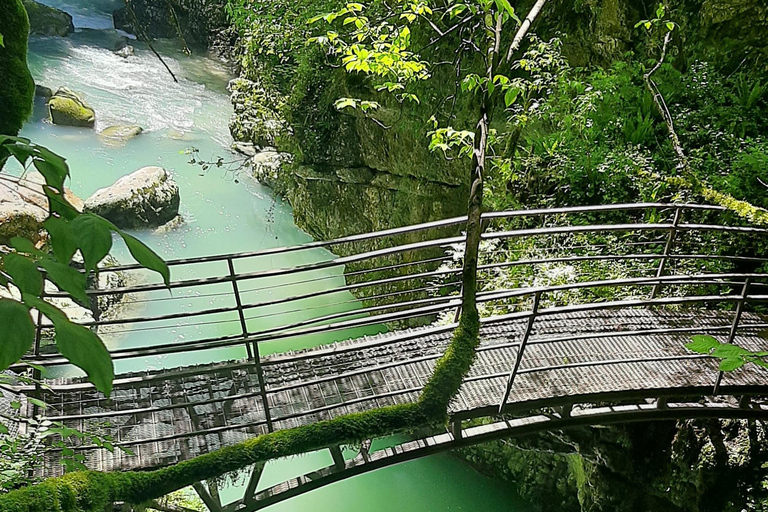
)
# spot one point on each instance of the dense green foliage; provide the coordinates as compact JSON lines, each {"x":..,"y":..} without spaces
{"x":18,"y":88}
{"x":562,"y":135}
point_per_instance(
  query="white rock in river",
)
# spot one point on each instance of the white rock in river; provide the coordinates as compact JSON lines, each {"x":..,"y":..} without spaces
{"x":23,"y":206}
{"x":147,"y":198}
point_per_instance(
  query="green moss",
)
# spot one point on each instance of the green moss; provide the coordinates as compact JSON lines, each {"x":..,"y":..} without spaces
{"x":743,"y":209}
{"x":67,"y":108}
{"x":18,"y":89}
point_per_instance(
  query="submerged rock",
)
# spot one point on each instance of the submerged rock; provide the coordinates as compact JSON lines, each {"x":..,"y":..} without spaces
{"x":48,"y":21}
{"x":171,"y":225}
{"x":24,"y":206}
{"x":147,"y":198}
{"x":42,"y":91}
{"x":118,"y":135}
{"x":68,"y":108}
{"x":125,"y":52}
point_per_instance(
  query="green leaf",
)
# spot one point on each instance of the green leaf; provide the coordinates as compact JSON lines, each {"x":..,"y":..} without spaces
{"x":94,"y":238}
{"x":2,"y":43}
{"x":39,"y":403}
{"x":511,"y":96}
{"x":21,"y":152}
{"x":146,"y":257}
{"x":702,"y":344}
{"x":84,"y":349}
{"x":759,"y":362}
{"x":53,"y":173}
{"x":727,"y":351}
{"x":58,"y":204}
{"x":504,"y":5}
{"x":24,"y":245}
{"x":3,"y":428}
{"x":67,"y":279}
{"x":62,"y":238}
{"x":731,"y":363}
{"x":24,"y":273}
{"x":17,"y":332}
{"x":670,"y":26}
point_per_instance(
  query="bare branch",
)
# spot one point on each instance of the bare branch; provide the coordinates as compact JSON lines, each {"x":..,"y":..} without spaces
{"x":524,"y":27}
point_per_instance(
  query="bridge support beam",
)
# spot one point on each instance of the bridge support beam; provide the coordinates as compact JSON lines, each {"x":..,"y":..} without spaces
{"x":456,"y":429}
{"x":210,"y":496}
{"x":338,"y":457}
{"x":253,"y":483}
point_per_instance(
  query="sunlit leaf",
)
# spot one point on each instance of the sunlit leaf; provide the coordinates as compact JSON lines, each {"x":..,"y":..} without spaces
{"x":727,"y":351}
{"x":731,"y":363}
{"x":702,"y":344}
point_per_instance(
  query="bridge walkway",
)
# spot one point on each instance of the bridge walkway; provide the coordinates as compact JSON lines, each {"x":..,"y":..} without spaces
{"x":169,"y":416}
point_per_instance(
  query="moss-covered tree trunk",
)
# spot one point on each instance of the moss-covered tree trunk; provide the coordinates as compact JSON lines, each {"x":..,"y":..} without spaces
{"x":17,"y":90}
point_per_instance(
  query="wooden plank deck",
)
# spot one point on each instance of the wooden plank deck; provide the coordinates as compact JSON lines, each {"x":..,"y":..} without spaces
{"x":169,"y":416}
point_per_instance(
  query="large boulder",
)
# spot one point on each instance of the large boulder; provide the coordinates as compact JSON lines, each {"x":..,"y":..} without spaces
{"x":147,"y":198}
{"x":68,"y":108}
{"x":48,"y":21}
{"x":18,"y":89}
{"x":24,"y":206}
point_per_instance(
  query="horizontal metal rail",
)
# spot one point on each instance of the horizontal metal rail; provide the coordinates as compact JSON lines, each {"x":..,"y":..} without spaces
{"x":408,"y":276}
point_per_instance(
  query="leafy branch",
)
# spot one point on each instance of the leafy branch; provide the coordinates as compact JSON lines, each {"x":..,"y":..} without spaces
{"x":732,"y":357}
{"x":24,"y":269}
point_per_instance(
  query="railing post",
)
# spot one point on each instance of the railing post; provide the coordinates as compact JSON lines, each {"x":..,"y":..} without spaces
{"x":253,"y":355}
{"x":667,"y":249}
{"x":458,"y":309}
{"x":239,"y":303}
{"x":521,"y":350}
{"x":36,"y":373}
{"x":734,"y":327}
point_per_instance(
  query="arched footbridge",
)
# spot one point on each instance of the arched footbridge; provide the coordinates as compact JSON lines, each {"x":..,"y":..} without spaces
{"x":586,"y":312}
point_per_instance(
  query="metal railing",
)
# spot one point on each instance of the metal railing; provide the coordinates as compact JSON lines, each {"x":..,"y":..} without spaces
{"x":660,"y":256}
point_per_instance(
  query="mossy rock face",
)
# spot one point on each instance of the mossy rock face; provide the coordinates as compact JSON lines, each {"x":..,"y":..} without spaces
{"x":67,"y":108}
{"x":18,"y":89}
{"x":48,"y":21}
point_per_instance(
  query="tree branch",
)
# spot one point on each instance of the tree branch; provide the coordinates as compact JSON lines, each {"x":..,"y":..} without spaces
{"x":658,"y":99}
{"x":524,"y":27}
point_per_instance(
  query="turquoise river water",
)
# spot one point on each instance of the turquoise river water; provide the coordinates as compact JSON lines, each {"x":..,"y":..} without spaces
{"x":223,"y":214}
